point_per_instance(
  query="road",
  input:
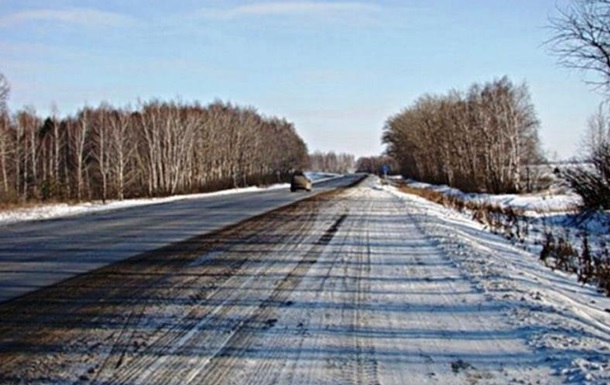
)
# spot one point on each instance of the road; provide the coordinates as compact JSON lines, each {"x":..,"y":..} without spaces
{"x":356,"y":286}
{"x":37,"y":254}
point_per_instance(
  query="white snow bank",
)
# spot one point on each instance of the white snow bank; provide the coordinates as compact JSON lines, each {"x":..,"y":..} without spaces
{"x":49,"y":211}
{"x":540,"y":202}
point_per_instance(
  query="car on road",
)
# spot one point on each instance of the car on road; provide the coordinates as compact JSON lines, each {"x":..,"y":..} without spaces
{"x":299,"y":181}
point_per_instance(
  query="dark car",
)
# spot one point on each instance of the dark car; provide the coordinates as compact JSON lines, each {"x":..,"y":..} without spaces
{"x":299,"y":182}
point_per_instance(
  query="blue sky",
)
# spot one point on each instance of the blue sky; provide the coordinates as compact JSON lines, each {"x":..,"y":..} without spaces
{"x":337,"y":69}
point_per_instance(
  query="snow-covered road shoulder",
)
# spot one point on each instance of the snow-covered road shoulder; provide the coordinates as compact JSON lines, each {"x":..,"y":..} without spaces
{"x":59,"y":210}
{"x":45,"y":211}
{"x":566,"y":322}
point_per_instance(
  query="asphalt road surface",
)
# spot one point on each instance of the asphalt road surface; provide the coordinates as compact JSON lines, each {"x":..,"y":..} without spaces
{"x":38,"y":254}
{"x":348,"y":287}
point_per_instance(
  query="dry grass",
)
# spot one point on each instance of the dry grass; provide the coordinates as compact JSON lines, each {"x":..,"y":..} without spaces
{"x":557,"y":252}
{"x":494,"y":216}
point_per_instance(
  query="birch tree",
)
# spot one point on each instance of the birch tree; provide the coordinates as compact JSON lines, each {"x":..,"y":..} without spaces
{"x":79,"y":136}
{"x":477,"y":142}
{"x":160,"y":148}
{"x":4,"y":133}
{"x":122,"y":149}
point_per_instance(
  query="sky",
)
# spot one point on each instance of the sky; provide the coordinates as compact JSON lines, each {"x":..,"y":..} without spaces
{"x":336,"y":69}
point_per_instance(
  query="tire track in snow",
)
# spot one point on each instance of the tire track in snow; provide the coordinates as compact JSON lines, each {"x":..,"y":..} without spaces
{"x":499,"y":337}
{"x":151,"y":369}
{"x":155,"y":282}
{"x":218,"y":369}
{"x":364,"y":365}
{"x":121,"y":367}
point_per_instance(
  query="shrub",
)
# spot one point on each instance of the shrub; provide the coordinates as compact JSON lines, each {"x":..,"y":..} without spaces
{"x":592,"y":181}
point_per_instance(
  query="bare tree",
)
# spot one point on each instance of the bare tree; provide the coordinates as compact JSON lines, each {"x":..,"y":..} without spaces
{"x":34,"y":150}
{"x":4,"y":132}
{"x":480,"y":141}
{"x":4,"y":152}
{"x":150,"y":144}
{"x":598,"y":131}
{"x":591,"y":178}
{"x":582,"y":41}
{"x":160,"y":148}
{"x":376,"y":164}
{"x":122,"y":150}
{"x":79,"y":139}
{"x":101,"y":149}
{"x":582,"y":38}
{"x":332,"y":162}
{"x":58,"y":146}
{"x":25,"y":153}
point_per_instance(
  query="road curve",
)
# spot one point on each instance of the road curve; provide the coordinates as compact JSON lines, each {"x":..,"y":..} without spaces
{"x":37,"y":254}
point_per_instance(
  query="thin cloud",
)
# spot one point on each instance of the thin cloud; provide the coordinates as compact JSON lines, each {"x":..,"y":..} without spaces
{"x":75,"y":16}
{"x":297,"y":8}
{"x":300,"y":8}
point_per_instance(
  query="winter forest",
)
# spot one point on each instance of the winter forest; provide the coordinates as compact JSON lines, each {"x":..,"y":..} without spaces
{"x":480,"y":140}
{"x":159,"y":148}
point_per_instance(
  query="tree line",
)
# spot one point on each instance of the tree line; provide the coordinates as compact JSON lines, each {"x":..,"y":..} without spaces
{"x":159,"y":148}
{"x":479,"y":140}
{"x":377,"y":165}
{"x":330,"y":161}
